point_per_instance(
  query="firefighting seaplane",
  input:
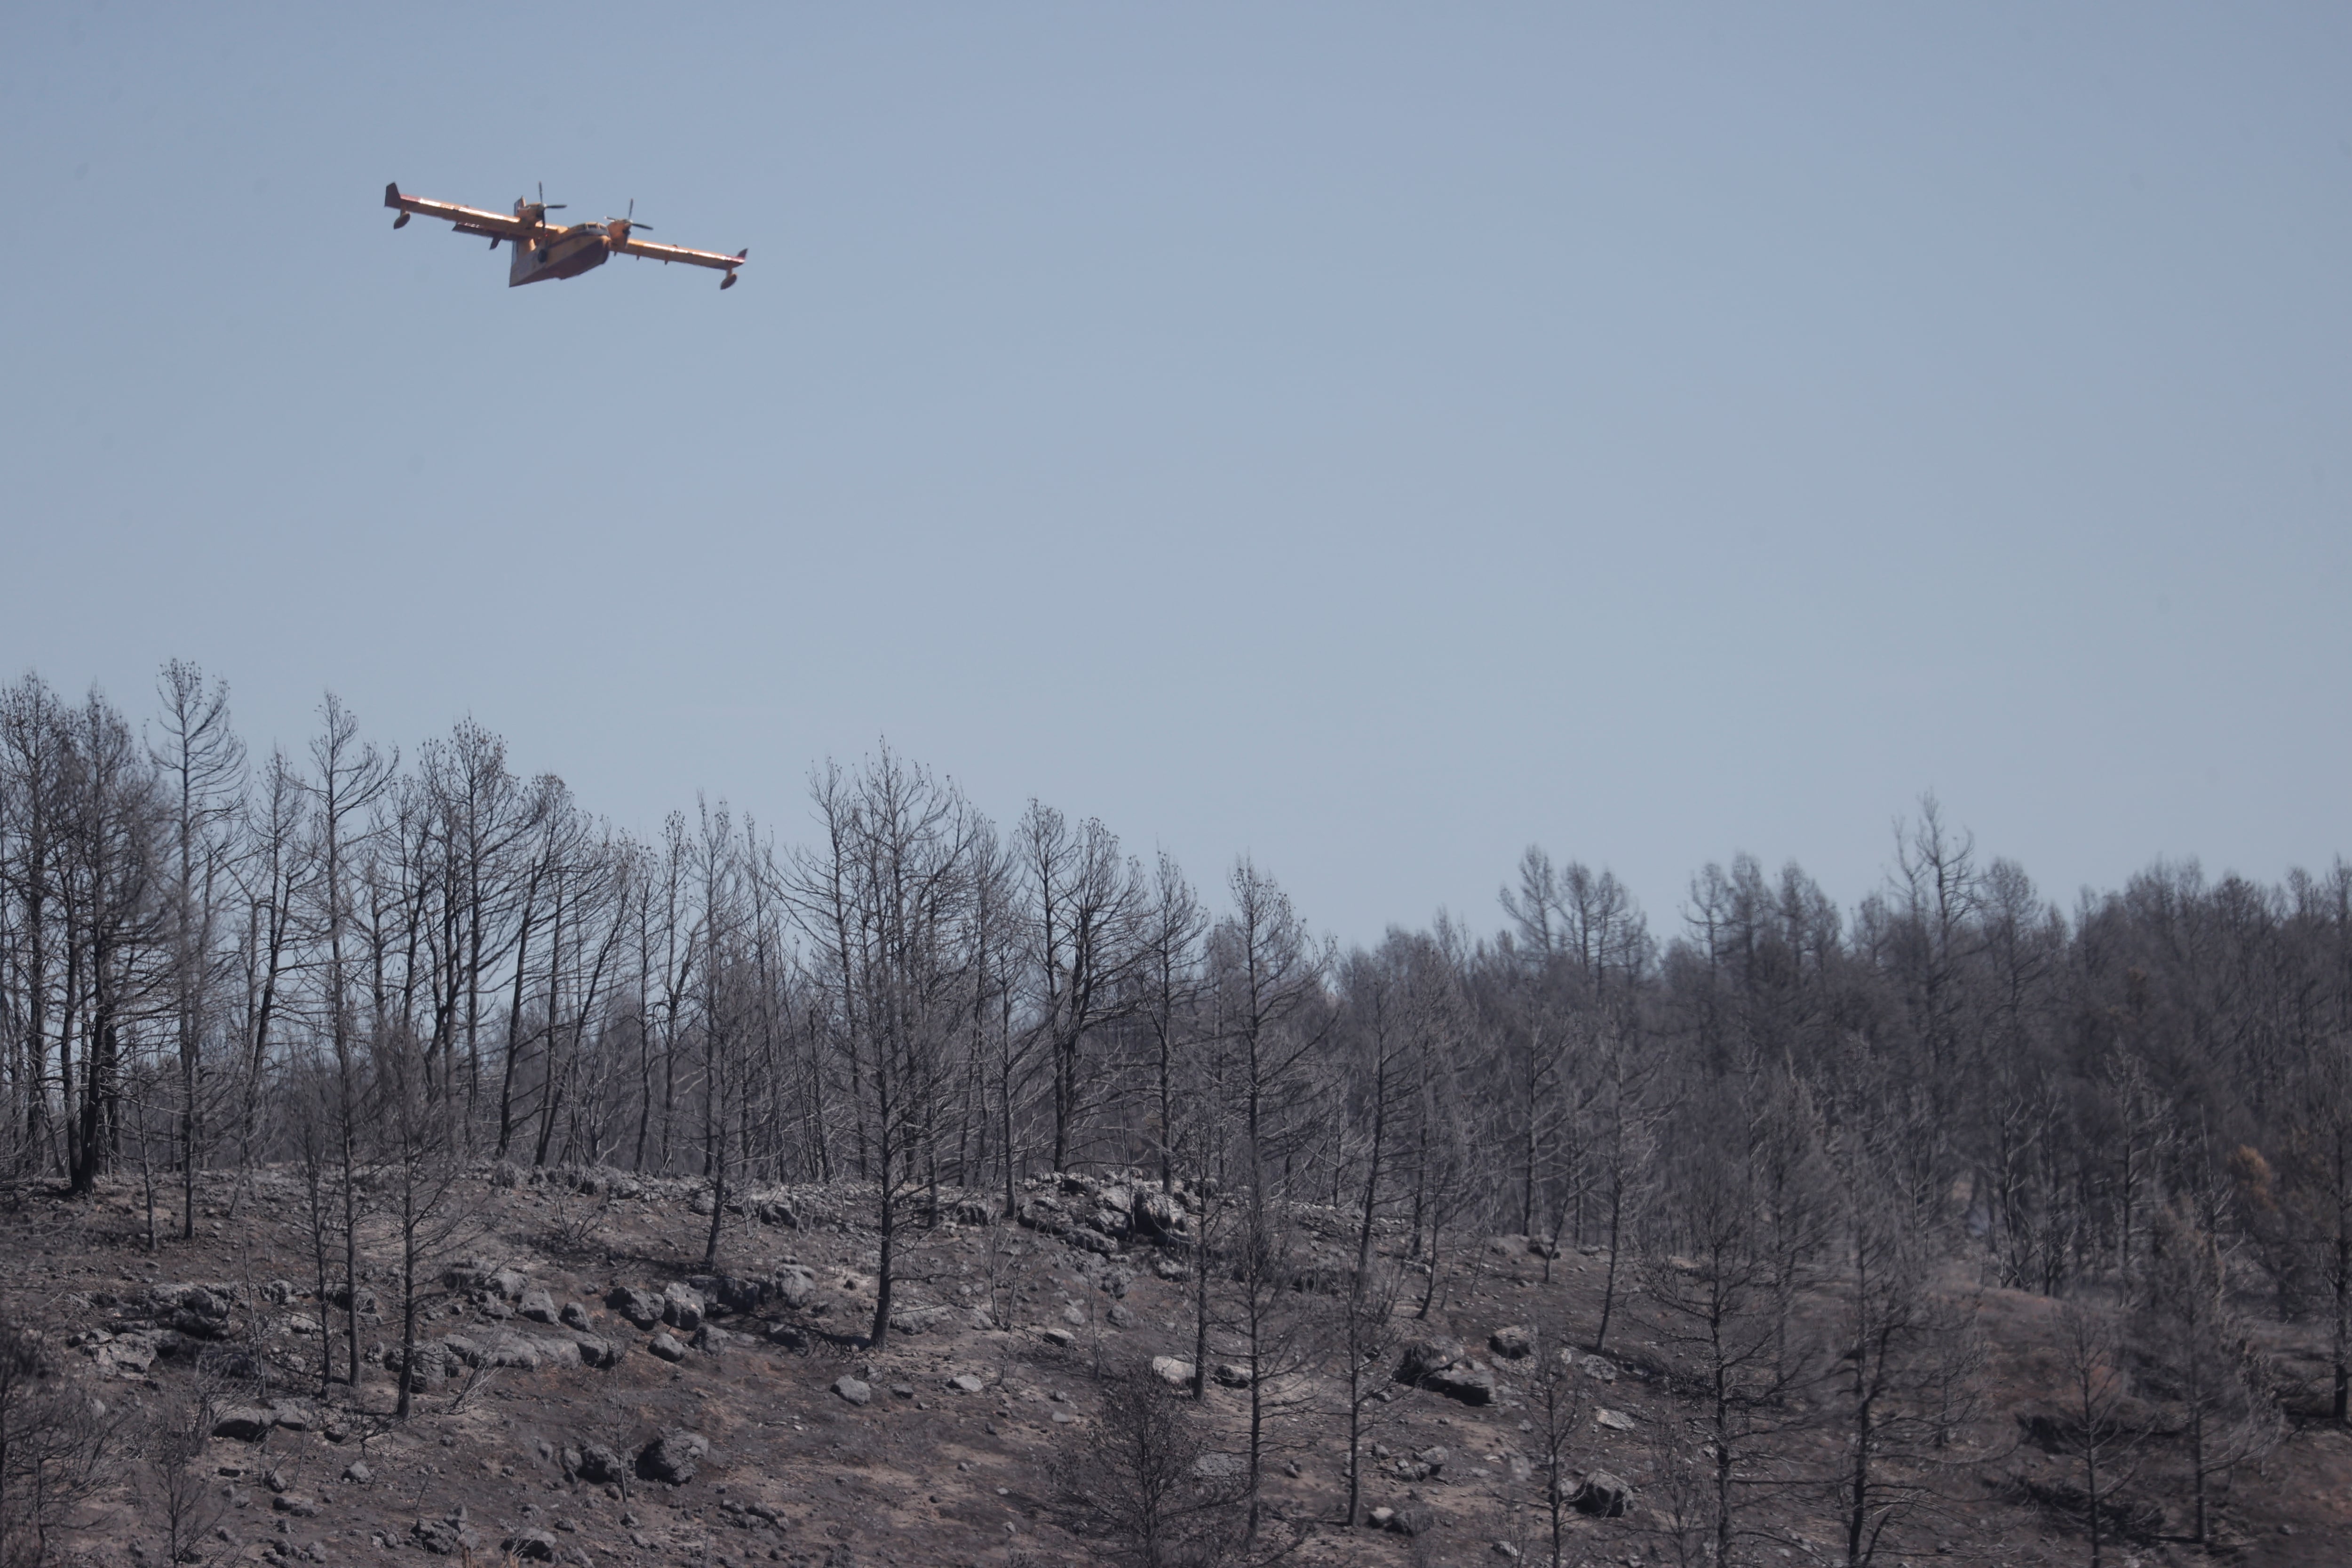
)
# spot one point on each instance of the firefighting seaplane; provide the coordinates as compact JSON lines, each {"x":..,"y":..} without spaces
{"x":543,"y":250}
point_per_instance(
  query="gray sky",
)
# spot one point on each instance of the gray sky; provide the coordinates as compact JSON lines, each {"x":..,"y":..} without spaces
{"x":1374,"y":438}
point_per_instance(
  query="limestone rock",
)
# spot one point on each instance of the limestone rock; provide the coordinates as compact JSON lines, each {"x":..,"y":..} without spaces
{"x":1174,"y":1372}
{"x":795,"y":1287}
{"x":1470,"y":1384}
{"x":538,"y":1306}
{"x":444,"y":1537}
{"x":1424,"y":1357}
{"x":641,"y":1308}
{"x":853,"y":1391}
{"x":672,"y":1456}
{"x":1512,"y":1344}
{"x":915,"y":1319}
{"x":1604,"y":1496}
{"x":682,"y":1306}
{"x":599,"y":1464}
{"x":667,"y":1348}
{"x":242,"y":1423}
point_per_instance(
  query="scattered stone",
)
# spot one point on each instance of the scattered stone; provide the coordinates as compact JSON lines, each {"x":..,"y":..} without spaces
{"x":642,"y":1308}
{"x":1158,"y":1214}
{"x":510,"y":1283}
{"x":919,"y":1319}
{"x":1220,"y":1467}
{"x":1171,"y":1371}
{"x":597,"y":1350}
{"x":672,"y":1458}
{"x":444,"y":1537}
{"x":1511,"y":1343}
{"x":299,"y":1507}
{"x":1061,"y":1337}
{"x":1615,"y":1420}
{"x":535,"y":1546}
{"x":1413,"y":1518}
{"x":538,"y":1306}
{"x":358,"y":1473}
{"x":787,"y":1335}
{"x":1424,"y":1357}
{"x":1378,"y":1518}
{"x":682,"y":1306}
{"x":599,"y":1464}
{"x":1470,"y":1384}
{"x":853,"y":1391}
{"x":242,"y":1423}
{"x":968,"y":1383}
{"x":573,"y":1316}
{"x":1075,"y":1315}
{"x":794,"y":1286}
{"x":667,"y":1348}
{"x":1231,"y":1375}
{"x":293,"y":1415}
{"x":1600,"y":1369}
{"x":1122,"y":1316}
{"x":1604,"y":1496}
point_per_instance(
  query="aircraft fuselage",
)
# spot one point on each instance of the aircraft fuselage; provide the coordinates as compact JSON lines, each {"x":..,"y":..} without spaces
{"x":558,"y":253}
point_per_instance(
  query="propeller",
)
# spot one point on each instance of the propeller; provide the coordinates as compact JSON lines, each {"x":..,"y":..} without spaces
{"x":632,"y":218}
{"x":543,"y":201}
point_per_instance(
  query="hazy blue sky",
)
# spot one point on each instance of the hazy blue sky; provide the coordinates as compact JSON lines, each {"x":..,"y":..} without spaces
{"x":1372,"y":436}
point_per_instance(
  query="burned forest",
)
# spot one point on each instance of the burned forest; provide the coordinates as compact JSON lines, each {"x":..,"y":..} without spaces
{"x":401,"y":1161}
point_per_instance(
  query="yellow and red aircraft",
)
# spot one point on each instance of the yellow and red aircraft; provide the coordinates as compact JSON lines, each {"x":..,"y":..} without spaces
{"x":543,"y":250}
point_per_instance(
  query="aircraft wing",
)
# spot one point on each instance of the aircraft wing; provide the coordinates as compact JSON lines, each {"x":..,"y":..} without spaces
{"x":653,"y":252}
{"x":468,"y":220}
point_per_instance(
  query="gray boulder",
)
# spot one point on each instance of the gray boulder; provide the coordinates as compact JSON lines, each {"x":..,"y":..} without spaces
{"x":795,"y":1287}
{"x":682,"y":1306}
{"x":1470,"y":1384}
{"x":599,"y":1464}
{"x":1602,"y":1496}
{"x":641,"y":1308}
{"x":1424,"y":1358}
{"x":597,"y":1350}
{"x":672,"y":1458}
{"x":530,"y":1546}
{"x":538,"y":1306}
{"x":242,"y":1423}
{"x":853,"y":1391}
{"x":667,"y":1348}
{"x":445,"y":1537}
{"x":1512,"y":1344}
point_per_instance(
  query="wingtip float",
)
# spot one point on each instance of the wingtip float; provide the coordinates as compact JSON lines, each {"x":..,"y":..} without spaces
{"x":544,"y":250}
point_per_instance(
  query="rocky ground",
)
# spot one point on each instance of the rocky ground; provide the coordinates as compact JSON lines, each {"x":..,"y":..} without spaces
{"x":589,"y":1394}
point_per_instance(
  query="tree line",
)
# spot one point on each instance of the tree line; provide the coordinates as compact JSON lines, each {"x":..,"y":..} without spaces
{"x":349,"y":957}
